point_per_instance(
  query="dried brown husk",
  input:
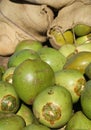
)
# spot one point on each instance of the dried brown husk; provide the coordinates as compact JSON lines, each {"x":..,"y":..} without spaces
{"x":57,"y":3}
{"x":19,"y":21}
{"x":68,"y":17}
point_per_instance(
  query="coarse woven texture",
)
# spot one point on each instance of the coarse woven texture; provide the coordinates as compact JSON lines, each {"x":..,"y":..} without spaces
{"x":68,"y":17}
{"x":19,"y":21}
{"x":58,"y":3}
{"x":53,"y":3}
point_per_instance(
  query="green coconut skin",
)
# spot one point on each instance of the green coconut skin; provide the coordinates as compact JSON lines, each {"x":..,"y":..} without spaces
{"x":82,"y":29}
{"x":28,"y":44}
{"x":60,"y":38}
{"x":11,"y":122}
{"x":9,"y":100}
{"x":74,"y":82}
{"x":83,"y":39}
{"x":8,"y":74}
{"x":78,"y":122}
{"x":19,"y":56}
{"x":88,"y":71}
{"x":67,"y":49}
{"x":78,"y":61}
{"x":31,"y":77}
{"x":26,"y":113}
{"x":86,"y":99}
{"x":55,"y":107}
{"x":36,"y":127}
{"x":53,"y":57}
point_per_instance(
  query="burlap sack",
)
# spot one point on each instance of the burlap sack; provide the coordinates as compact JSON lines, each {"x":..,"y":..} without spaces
{"x":20,"y":21}
{"x":57,"y":3}
{"x":53,"y":3}
{"x":68,"y":17}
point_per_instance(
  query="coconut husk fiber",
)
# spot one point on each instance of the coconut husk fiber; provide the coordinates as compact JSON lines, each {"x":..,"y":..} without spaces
{"x":68,"y":17}
{"x":19,"y":21}
{"x":57,"y":3}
